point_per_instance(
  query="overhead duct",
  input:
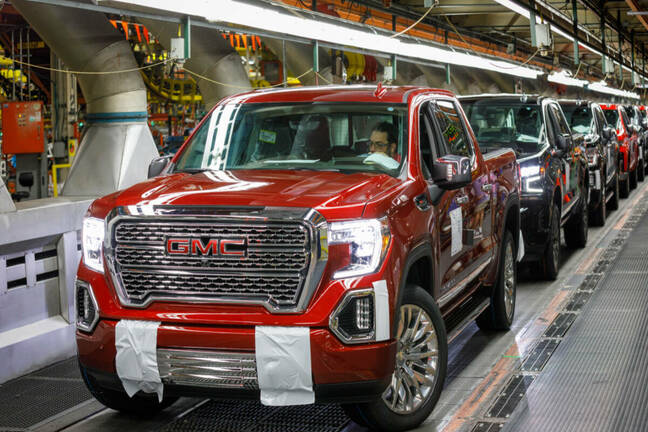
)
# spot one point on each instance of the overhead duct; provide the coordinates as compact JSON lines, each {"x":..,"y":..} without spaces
{"x":117,"y":146}
{"x":211,"y":56}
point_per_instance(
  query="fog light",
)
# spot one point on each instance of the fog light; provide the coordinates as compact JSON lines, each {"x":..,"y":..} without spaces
{"x":353,"y":320}
{"x":86,"y":308}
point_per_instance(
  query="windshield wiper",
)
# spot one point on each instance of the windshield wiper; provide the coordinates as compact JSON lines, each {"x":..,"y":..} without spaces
{"x":190,"y":170}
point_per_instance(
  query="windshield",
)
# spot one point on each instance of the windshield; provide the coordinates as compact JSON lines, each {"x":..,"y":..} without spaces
{"x":612,"y":117}
{"x":513,"y":124}
{"x":580,"y":118}
{"x":346,"y":137}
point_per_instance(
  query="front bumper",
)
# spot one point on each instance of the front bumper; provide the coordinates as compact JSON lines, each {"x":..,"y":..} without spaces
{"x":340,"y":373}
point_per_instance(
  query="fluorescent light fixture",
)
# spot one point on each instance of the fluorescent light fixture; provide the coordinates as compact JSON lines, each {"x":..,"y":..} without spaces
{"x":285,"y":22}
{"x":602,"y":87}
{"x":565,"y":78}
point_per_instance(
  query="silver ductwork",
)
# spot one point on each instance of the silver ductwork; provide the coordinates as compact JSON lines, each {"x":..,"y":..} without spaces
{"x":211,"y":56}
{"x":117,"y":146}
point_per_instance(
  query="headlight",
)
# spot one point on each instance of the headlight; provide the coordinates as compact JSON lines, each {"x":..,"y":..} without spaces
{"x":532,"y":178}
{"x":367,"y":239}
{"x":93,"y":237}
{"x":528,"y":171}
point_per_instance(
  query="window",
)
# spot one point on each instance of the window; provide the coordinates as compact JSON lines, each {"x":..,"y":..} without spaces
{"x":562,"y":127}
{"x":300,"y":136}
{"x":425,"y":141}
{"x":600,"y":118}
{"x":452,"y":132}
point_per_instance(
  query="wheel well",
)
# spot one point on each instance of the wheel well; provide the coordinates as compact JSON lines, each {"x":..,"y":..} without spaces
{"x":513,"y":223}
{"x":420,"y":273}
{"x":557,"y":199}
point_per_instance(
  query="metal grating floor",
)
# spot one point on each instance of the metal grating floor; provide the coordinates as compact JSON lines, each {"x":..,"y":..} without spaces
{"x":251,"y":416}
{"x":597,"y":379}
{"x":34,"y":398}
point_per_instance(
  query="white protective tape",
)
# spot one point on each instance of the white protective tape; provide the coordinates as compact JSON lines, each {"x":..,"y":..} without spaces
{"x":283,"y":360}
{"x":456,"y":232}
{"x":520,"y":253}
{"x":136,"y":360}
{"x":382,"y":310}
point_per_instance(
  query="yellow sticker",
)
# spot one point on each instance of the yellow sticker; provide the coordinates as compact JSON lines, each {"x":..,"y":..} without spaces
{"x":268,"y":136}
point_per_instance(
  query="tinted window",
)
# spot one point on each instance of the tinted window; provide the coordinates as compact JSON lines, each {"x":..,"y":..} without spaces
{"x":612,"y":117}
{"x":579,"y":118}
{"x":561,"y":123}
{"x":500,"y":124}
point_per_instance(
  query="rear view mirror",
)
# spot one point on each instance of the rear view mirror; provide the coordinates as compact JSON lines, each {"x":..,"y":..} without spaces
{"x":452,"y":172}
{"x":157,"y":165}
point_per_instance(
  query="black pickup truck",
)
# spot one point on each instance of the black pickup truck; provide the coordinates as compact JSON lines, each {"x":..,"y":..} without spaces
{"x":555,"y":180}
{"x":602,"y":150}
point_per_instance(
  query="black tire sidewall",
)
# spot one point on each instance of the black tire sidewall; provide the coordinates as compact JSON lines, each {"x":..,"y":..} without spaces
{"x":550,"y":268}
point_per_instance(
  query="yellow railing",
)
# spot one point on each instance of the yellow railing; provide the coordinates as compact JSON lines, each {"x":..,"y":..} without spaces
{"x":55,"y":169}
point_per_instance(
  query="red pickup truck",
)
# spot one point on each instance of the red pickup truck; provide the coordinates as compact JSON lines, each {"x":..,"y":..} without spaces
{"x":313,"y":244}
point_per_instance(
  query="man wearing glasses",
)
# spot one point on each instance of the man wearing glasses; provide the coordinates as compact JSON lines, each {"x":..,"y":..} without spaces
{"x":382,"y":146}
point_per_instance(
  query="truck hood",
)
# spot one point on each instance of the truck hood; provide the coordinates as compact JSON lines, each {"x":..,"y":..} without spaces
{"x":334,"y":194}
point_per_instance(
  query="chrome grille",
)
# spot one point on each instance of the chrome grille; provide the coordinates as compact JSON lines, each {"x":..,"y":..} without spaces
{"x":256,"y":234}
{"x":272,"y":271}
{"x":219,"y":369}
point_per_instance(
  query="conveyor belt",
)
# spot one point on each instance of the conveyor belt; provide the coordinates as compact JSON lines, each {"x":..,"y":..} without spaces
{"x":597,"y":379}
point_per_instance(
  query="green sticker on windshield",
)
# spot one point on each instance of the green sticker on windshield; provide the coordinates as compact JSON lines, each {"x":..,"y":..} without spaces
{"x":268,"y":136}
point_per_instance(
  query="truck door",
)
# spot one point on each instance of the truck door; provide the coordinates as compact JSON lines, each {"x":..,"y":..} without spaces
{"x":465,"y":220}
{"x":609,"y":146}
{"x":570,"y":176}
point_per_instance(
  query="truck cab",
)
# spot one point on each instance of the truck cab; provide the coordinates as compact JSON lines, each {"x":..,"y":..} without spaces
{"x":555,"y":180}
{"x":313,"y":244}
{"x":628,"y":138}
{"x":601,"y":146}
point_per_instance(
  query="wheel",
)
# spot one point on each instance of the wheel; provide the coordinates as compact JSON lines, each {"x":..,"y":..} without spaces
{"x":633,"y":178}
{"x":625,"y":187}
{"x":614,"y":201}
{"x":499,"y":315}
{"x":551,"y":259}
{"x":576,"y":229}
{"x":421,"y":363}
{"x":599,"y":214}
{"x":140,"y":405}
{"x":641,"y":171}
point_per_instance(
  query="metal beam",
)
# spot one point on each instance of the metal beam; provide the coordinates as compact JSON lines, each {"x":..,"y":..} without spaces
{"x":575,"y":31}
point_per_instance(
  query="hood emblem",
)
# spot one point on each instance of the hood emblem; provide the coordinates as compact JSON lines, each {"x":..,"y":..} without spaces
{"x":205,"y":247}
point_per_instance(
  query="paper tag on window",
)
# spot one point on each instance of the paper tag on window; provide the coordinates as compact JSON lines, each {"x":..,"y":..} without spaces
{"x":456,"y":221}
{"x":567,"y":174}
{"x":268,"y":136}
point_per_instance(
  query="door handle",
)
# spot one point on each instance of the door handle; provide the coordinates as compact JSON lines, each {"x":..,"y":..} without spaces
{"x":487,"y":187}
{"x":462,"y":199}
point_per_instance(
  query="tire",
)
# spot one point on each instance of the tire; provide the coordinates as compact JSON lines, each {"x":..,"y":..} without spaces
{"x":550,"y":262}
{"x":633,"y":178}
{"x":600,"y":212}
{"x":614,"y":201}
{"x":379,"y":414}
{"x":625,"y":187}
{"x":576,"y":228}
{"x":140,"y":405}
{"x":499,"y":315}
{"x":641,"y":171}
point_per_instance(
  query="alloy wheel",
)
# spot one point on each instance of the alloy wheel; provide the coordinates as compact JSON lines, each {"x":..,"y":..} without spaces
{"x":509,"y":281}
{"x":417,"y":359}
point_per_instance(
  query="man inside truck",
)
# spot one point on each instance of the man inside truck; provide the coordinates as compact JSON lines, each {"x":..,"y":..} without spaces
{"x":382,"y":145}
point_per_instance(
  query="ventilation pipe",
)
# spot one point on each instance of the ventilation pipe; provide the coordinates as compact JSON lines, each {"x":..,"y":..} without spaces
{"x":117,"y":145}
{"x":211,"y":56}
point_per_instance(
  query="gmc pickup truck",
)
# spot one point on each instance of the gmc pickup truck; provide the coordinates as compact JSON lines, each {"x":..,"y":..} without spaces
{"x":554,"y":170}
{"x":602,"y":149}
{"x":304,"y":245}
{"x":629,"y":149}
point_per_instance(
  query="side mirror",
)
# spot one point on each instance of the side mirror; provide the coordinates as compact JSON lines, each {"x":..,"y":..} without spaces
{"x":452,"y":172}
{"x":157,"y":165}
{"x":607,"y":133}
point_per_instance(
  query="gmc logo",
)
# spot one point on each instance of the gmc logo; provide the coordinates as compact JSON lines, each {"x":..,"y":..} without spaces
{"x":205,"y":247}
